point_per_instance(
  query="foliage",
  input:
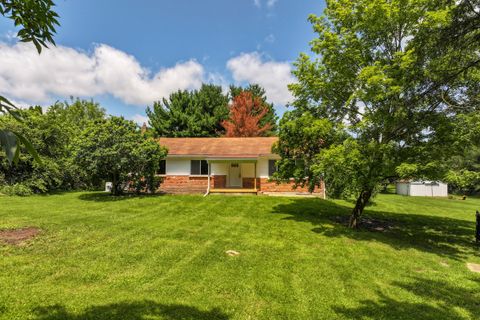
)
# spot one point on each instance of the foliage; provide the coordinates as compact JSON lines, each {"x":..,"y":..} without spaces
{"x":116,"y":150}
{"x":110,"y":252}
{"x":195,"y":113}
{"x":51,"y":133}
{"x":270,"y":118}
{"x":464,"y":173}
{"x":17,"y":189}
{"x":38,"y":21}
{"x":385,"y":75}
{"x":246,"y":114}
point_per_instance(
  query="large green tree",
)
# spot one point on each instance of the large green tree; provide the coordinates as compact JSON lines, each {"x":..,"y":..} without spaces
{"x":115,"y":149}
{"x":52,"y":133}
{"x":37,"y":20}
{"x":389,"y":91}
{"x":257,"y":92}
{"x":196,"y":113}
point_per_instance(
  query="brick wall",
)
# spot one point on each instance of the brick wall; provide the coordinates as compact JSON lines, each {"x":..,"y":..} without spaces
{"x":191,"y":184}
{"x":264,"y":185}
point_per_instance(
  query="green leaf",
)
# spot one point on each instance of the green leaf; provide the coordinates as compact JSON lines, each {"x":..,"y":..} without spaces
{"x":28,"y":145}
{"x":8,"y":141}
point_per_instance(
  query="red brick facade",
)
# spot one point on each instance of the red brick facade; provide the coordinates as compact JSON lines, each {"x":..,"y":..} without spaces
{"x":199,"y":184}
{"x":191,"y":184}
{"x":266,"y":185}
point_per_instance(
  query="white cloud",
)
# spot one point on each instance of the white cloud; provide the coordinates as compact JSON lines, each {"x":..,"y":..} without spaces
{"x":269,"y":3}
{"x":270,"y":38}
{"x":273,"y":76}
{"x":140,"y":119}
{"x":63,"y":71}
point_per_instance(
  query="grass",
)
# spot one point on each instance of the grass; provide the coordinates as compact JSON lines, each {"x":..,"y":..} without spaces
{"x":164,"y":257}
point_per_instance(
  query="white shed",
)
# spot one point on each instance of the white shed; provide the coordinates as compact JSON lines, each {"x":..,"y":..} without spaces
{"x":422,"y":188}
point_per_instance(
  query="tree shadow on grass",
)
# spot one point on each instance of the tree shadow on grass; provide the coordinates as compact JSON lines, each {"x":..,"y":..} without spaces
{"x":443,"y":236}
{"x":439,"y":300}
{"x":108,"y":197}
{"x":131,"y":311}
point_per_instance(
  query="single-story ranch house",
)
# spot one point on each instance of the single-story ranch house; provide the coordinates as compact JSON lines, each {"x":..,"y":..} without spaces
{"x":222,"y":165}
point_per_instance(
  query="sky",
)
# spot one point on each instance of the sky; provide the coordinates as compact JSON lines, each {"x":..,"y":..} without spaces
{"x":126,"y":54}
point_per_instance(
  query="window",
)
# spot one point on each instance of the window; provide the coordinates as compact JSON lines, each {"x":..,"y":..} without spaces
{"x":199,"y":167}
{"x":272,"y":167}
{"x":163,"y":167}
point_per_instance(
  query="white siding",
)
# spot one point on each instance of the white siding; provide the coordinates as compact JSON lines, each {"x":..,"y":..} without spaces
{"x":423,"y":189}
{"x":181,"y":167}
{"x":248,"y":170}
{"x":262,"y":168}
{"x":178,"y":167}
{"x":219,"y":169}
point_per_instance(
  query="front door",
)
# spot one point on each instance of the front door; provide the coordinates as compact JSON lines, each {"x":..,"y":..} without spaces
{"x":235,"y":175}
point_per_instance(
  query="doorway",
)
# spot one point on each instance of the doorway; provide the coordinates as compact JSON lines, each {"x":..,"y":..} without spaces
{"x":235,"y":175}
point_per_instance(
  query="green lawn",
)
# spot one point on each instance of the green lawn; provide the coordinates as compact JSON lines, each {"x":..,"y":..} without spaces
{"x":163,"y":257}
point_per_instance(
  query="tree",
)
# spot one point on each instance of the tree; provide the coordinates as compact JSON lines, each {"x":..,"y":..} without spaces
{"x":116,"y":150}
{"x":38,"y":21}
{"x":257,"y":91}
{"x":395,"y":93}
{"x":463,"y":171}
{"x":195,"y":113}
{"x":246,"y":114}
{"x":52,"y":134}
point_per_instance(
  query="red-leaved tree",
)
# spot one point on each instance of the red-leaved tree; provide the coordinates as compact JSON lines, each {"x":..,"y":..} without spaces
{"x":246,"y":113}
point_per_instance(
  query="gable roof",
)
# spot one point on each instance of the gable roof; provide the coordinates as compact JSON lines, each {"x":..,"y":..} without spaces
{"x":219,"y":147}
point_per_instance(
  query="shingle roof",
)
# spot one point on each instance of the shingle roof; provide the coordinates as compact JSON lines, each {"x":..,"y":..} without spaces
{"x":219,"y":147}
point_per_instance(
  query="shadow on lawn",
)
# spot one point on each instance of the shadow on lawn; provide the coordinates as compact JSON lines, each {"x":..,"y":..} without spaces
{"x":444,"y":301}
{"x":439,"y":235}
{"x":107,"y":197}
{"x":130,"y":311}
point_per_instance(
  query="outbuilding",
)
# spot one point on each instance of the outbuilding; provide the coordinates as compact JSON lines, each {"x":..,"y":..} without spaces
{"x":422,"y":188}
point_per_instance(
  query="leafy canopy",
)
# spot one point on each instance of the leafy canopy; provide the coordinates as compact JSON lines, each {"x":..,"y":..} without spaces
{"x":396,"y":80}
{"x":270,"y":118}
{"x":37,"y":21}
{"x":52,"y":134}
{"x":196,"y":113}
{"x":246,"y":114}
{"x":116,"y":150}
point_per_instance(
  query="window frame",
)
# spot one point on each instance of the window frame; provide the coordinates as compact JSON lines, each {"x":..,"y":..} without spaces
{"x":202,"y":166}
{"x":165,"y":168}
{"x":275,"y":167}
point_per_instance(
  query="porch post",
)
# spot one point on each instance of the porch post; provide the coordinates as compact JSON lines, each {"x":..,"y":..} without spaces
{"x":209,"y":176}
{"x":255,"y":176}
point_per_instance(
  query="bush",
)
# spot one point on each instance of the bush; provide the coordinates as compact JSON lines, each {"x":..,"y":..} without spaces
{"x":17,"y":189}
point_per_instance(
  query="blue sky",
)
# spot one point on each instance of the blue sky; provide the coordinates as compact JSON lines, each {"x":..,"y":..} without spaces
{"x":126,"y":54}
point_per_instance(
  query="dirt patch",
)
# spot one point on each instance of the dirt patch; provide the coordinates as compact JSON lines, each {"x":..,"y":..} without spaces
{"x":369,"y":224}
{"x":18,"y":236}
{"x":474,"y":267}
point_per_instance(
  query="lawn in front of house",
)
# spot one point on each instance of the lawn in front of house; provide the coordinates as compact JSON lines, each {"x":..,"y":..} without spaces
{"x":163,"y":257}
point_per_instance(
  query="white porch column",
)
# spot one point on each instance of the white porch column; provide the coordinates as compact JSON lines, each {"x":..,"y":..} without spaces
{"x":255,"y":176}
{"x":209,"y":176}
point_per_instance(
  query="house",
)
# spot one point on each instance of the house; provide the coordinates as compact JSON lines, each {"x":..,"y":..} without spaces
{"x":422,"y":188}
{"x":221,"y":165}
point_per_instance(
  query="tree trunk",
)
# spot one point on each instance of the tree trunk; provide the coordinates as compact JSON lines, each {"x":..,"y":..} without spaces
{"x":357,"y":211}
{"x":116,"y":190}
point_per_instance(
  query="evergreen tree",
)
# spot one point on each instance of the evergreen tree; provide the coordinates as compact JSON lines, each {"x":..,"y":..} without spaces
{"x":197,"y":113}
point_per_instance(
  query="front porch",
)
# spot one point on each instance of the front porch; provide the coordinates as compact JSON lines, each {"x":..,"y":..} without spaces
{"x":234,"y":190}
{"x":240,"y":176}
